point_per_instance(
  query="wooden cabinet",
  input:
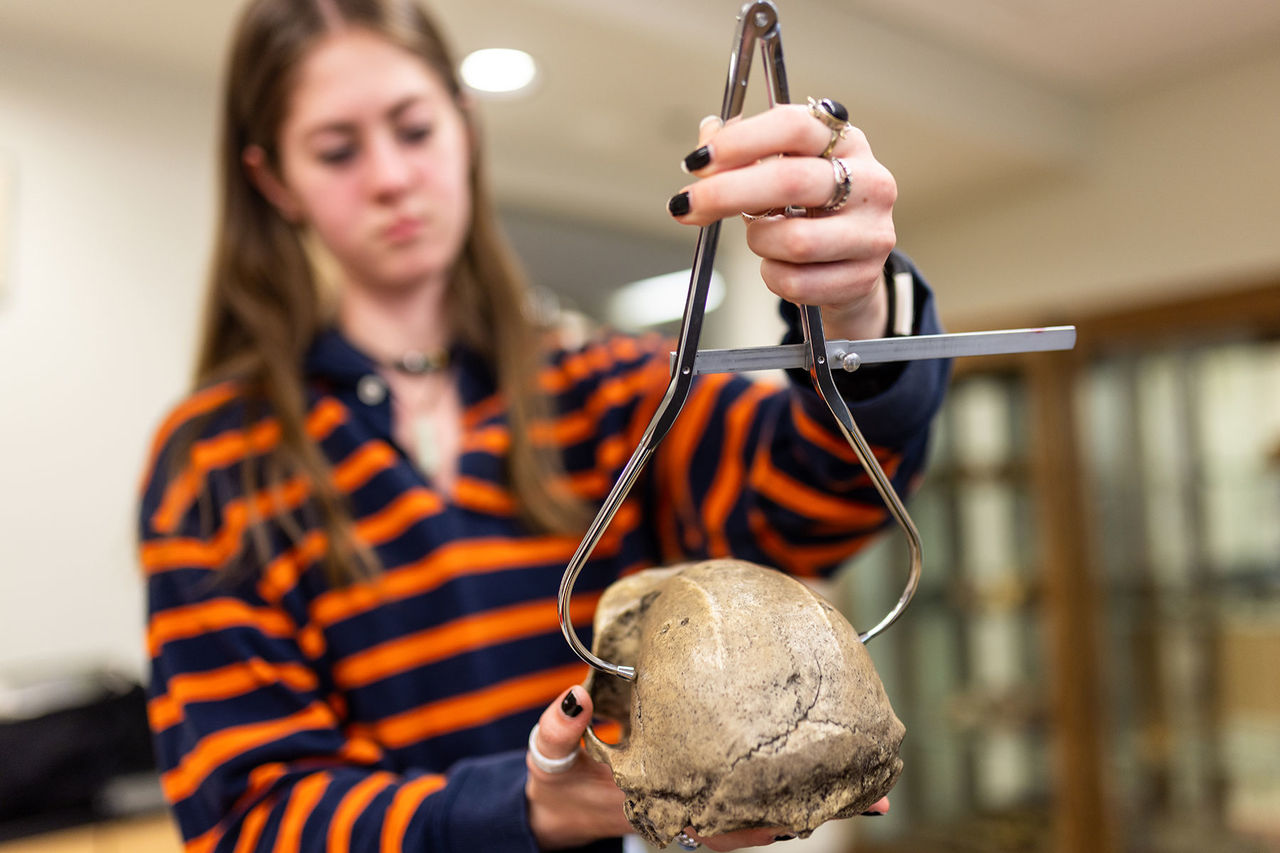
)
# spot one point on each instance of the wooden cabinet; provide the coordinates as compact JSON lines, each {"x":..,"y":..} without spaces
{"x":1093,"y":660}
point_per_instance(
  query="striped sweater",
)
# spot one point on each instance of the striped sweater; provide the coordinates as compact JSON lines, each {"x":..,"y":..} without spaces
{"x":392,"y":714}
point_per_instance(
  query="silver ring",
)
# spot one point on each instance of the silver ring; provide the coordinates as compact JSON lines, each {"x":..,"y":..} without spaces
{"x":684,"y":842}
{"x":840,"y":194}
{"x":756,"y":217}
{"x":549,"y":765}
{"x":835,"y":117}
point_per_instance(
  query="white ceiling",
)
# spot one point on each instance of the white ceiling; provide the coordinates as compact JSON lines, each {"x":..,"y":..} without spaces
{"x":958,"y":97}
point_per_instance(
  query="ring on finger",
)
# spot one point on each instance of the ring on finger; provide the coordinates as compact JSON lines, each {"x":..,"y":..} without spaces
{"x":840,"y":194}
{"x":836,"y":119}
{"x":756,"y":217}
{"x":550,"y":765}
{"x":684,"y":842}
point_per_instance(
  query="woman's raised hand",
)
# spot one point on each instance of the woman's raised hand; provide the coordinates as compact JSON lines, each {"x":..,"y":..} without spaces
{"x":761,"y":166}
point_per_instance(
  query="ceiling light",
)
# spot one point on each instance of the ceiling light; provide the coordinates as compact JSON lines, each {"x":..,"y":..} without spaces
{"x":498,"y":70}
{"x":658,"y":300}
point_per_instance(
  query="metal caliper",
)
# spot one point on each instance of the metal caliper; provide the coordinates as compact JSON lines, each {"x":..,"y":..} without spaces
{"x":758,"y":23}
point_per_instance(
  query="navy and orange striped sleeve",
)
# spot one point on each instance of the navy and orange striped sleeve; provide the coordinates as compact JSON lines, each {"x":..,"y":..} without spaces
{"x":250,"y":732}
{"x":765,"y":474}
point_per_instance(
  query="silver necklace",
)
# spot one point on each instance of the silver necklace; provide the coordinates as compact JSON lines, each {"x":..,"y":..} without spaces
{"x":418,"y":363}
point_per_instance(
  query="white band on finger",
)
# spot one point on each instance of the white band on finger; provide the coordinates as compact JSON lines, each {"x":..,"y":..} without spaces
{"x":549,"y":765}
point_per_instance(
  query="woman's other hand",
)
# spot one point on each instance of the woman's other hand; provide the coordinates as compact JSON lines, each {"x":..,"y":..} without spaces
{"x":573,"y":799}
{"x":834,"y":259}
{"x":580,"y":803}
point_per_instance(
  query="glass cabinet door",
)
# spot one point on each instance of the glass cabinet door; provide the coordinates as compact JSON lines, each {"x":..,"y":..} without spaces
{"x":1174,"y":484}
{"x":1182,"y":448}
{"x":963,"y":665}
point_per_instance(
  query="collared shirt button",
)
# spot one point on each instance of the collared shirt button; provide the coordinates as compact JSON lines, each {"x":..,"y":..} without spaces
{"x":371,"y":389}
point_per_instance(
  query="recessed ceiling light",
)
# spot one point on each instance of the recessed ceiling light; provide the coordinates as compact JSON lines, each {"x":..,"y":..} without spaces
{"x":498,"y":70}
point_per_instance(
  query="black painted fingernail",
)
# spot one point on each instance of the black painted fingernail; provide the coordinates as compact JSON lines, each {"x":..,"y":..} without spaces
{"x":872,"y":814}
{"x":783,"y":837}
{"x":698,"y":159}
{"x":679,"y":204}
{"x":570,"y":705}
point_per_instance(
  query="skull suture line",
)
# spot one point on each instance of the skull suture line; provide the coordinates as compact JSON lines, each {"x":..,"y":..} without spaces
{"x":754,"y":703}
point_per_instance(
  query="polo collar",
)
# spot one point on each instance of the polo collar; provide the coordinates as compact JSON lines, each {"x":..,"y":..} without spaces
{"x":333,"y":359}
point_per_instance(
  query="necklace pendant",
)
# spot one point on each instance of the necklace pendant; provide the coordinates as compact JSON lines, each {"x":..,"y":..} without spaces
{"x":426,"y":449}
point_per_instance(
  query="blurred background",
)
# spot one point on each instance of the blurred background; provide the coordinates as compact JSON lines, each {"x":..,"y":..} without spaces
{"x":1093,"y":662}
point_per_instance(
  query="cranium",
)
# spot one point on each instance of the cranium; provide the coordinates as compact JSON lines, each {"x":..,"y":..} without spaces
{"x":754,"y":703}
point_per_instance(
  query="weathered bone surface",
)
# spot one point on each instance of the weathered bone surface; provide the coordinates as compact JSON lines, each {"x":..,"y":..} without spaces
{"x":754,"y":704}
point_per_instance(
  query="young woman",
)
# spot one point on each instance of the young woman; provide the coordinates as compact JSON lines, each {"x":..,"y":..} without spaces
{"x":354,"y":528}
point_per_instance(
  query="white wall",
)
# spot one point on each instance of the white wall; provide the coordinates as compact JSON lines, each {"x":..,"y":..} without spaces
{"x":1182,"y":194}
{"x":107,"y":246}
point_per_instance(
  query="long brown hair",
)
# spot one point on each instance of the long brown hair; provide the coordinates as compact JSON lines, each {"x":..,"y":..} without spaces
{"x":264,"y":302}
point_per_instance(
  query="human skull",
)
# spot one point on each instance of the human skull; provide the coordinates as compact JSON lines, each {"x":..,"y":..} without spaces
{"x":754,"y":704}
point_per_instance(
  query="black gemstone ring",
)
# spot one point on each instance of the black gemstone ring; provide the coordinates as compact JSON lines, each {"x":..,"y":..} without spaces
{"x":835,"y":117}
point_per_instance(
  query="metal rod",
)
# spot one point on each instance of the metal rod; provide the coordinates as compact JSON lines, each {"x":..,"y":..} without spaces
{"x":824,"y":383}
{"x":848,"y":355}
{"x":757,"y":22}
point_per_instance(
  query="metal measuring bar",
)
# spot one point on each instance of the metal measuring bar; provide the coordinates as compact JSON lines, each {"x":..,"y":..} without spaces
{"x":850,"y":355}
{"x":758,"y":23}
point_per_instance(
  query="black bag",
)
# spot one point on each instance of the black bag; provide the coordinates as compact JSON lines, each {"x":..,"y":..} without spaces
{"x":56,"y":761}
